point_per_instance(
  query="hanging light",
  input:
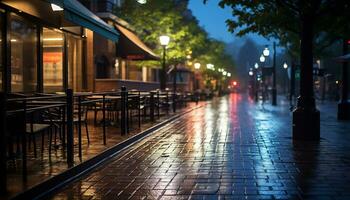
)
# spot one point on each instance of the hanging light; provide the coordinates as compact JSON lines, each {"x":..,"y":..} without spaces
{"x":285,"y":65}
{"x":229,"y":74}
{"x":224,"y":73}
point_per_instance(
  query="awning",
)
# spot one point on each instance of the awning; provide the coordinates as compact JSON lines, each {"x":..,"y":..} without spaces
{"x":345,"y":58}
{"x":131,"y":47}
{"x":78,"y":14}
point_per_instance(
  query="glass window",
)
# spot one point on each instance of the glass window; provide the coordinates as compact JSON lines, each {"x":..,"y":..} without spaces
{"x":75,"y":70}
{"x":23,"y":55}
{"x":52,"y":60}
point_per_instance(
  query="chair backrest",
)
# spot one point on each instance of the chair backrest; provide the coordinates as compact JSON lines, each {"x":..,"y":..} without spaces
{"x":15,"y":120}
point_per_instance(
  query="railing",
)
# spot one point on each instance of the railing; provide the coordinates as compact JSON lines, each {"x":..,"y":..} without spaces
{"x":114,"y":84}
{"x":61,"y":110}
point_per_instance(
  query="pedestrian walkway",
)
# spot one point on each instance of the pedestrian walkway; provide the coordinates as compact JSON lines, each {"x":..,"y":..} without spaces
{"x":230,"y":148}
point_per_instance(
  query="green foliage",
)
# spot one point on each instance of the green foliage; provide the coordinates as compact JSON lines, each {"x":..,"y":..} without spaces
{"x":282,"y":19}
{"x":172,"y":18}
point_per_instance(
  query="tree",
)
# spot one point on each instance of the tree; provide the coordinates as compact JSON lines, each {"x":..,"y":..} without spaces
{"x":172,"y":17}
{"x":293,"y":21}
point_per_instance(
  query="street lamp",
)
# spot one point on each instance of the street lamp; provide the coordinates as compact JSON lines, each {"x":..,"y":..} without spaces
{"x":285,"y":66}
{"x":251,"y":73}
{"x":255,"y":82}
{"x":224,"y":73}
{"x":197,"y":65}
{"x":262,"y":58}
{"x":228,"y":74}
{"x":210,"y":66}
{"x":142,"y":1}
{"x":256,"y":66}
{"x":164,"y":41}
{"x":266,"y":52}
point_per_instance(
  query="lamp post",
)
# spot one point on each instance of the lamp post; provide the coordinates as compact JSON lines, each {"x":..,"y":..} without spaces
{"x":256,"y":83}
{"x":164,"y":41}
{"x":274,"y":89}
{"x":285,"y":66}
{"x":197,"y":66}
{"x":262,"y":60}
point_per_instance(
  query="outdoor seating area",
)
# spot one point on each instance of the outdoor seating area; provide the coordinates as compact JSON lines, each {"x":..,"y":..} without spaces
{"x":45,"y":134}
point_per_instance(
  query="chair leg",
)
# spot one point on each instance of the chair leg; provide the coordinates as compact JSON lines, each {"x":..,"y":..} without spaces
{"x":95,"y":116}
{"x":87,"y":132}
{"x":50,"y":143}
{"x":42,"y":143}
{"x":55,"y":138}
{"x":34,"y":144}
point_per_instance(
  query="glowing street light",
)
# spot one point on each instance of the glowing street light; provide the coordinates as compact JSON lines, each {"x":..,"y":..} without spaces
{"x":210,"y":66}
{"x":164,"y":41}
{"x":229,"y":74}
{"x":285,"y":65}
{"x":142,"y":1}
{"x":256,"y":66}
{"x":251,"y":73}
{"x":224,"y":73}
{"x":262,"y":58}
{"x":197,"y":65}
{"x":266,"y":52}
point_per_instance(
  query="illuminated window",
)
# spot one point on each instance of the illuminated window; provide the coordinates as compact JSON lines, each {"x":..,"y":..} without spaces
{"x":23,"y":55}
{"x":52,"y":60}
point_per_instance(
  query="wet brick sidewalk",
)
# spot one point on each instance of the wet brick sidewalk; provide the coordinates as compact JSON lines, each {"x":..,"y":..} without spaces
{"x":229,"y":149}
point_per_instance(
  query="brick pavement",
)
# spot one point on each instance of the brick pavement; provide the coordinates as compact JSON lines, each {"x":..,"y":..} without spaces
{"x":229,"y":149}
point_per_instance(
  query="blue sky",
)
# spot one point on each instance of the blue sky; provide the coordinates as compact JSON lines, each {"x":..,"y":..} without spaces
{"x":212,"y":18}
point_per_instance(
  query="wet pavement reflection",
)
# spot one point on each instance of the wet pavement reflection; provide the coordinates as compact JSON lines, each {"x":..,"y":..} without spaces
{"x":231,"y":148}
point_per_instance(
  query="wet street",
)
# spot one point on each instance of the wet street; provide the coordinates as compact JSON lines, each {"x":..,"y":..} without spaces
{"x":231,"y":148}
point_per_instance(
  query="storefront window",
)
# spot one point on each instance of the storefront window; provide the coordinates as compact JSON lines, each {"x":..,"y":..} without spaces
{"x":75,"y":71}
{"x":52,"y":60}
{"x":23,"y":55}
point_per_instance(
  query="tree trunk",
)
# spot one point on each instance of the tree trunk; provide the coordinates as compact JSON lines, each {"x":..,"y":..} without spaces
{"x":306,"y":118}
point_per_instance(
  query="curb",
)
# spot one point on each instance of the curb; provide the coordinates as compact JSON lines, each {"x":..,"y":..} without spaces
{"x":50,"y":186}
